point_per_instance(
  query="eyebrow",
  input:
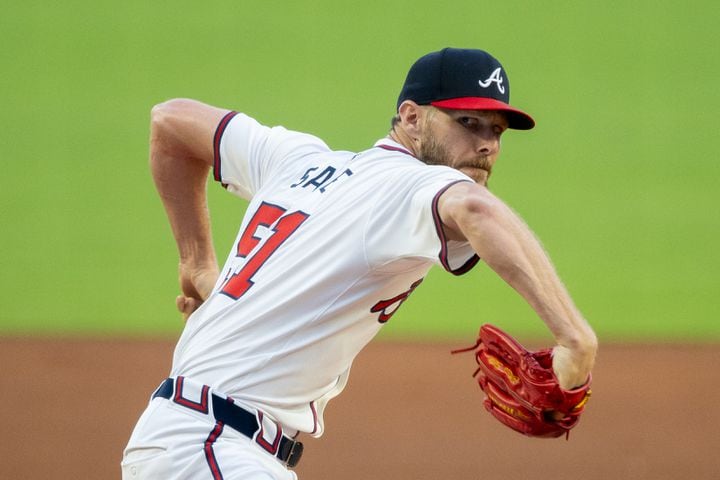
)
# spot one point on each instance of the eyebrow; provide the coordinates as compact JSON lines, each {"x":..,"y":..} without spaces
{"x":457,"y":114}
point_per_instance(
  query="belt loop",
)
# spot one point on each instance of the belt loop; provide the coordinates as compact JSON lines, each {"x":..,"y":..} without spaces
{"x":201,"y":406}
{"x":165,"y":390}
{"x":271,"y":448}
{"x":224,"y":410}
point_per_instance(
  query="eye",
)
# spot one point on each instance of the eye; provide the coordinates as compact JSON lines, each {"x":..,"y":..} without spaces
{"x":468,"y":122}
{"x":499,"y":129}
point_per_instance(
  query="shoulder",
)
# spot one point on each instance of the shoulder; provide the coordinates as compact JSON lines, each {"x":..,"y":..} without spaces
{"x":467,"y":197}
{"x":260,"y":132}
{"x":464,"y":200}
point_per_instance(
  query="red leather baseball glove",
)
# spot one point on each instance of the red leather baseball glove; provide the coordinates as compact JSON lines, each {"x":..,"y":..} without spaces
{"x":521,"y":389}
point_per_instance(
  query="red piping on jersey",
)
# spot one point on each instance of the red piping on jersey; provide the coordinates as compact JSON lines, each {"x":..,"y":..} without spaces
{"x":216,"y":145}
{"x":271,"y":448}
{"x":467,"y":266}
{"x":201,"y":406}
{"x":210,"y":452}
{"x":315,"y":418}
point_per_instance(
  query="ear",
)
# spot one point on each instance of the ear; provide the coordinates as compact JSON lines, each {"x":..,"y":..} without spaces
{"x":411,"y":115}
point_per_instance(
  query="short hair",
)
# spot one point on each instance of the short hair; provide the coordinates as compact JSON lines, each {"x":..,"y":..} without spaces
{"x":394,"y":121}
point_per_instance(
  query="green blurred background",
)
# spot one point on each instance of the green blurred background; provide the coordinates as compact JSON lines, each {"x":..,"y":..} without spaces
{"x":618,"y":179}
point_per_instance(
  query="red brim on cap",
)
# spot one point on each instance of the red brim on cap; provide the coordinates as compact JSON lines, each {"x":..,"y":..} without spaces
{"x":517,"y":119}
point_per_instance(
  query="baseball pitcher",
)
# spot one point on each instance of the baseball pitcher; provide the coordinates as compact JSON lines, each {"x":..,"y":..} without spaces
{"x":331,"y":245}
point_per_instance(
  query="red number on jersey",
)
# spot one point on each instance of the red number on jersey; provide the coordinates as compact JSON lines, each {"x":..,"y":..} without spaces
{"x":266,"y":215}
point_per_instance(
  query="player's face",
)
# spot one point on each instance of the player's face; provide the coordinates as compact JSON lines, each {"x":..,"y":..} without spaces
{"x":467,"y":140}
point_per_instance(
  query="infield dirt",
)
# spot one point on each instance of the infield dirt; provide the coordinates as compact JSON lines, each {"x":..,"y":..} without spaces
{"x":411,"y":411}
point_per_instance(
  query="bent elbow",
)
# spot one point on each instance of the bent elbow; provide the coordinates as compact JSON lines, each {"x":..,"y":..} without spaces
{"x":164,"y":118}
{"x":162,"y":114}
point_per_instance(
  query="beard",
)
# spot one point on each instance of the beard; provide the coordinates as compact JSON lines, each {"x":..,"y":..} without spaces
{"x":434,"y":153}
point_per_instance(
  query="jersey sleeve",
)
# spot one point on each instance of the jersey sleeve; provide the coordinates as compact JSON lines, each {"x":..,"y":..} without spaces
{"x":405,"y":228}
{"x":248,"y":153}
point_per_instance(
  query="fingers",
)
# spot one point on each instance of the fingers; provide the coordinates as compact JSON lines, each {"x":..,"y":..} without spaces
{"x":557,"y":416}
{"x":187,"y":305}
{"x":572,"y":362}
{"x":570,"y":369}
{"x":197,"y":281}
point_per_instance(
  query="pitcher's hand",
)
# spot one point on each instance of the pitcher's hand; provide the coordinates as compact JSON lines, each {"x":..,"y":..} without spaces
{"x":196,"y":283}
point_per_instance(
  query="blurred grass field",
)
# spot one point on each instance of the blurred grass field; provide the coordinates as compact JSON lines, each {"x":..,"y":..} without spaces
{"x":618,"y":179}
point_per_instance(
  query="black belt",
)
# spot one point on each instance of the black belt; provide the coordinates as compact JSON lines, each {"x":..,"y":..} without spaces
{"x":288,"y":450}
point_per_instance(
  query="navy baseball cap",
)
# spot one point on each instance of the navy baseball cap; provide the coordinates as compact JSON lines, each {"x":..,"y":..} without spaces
{"x":462,"y":79}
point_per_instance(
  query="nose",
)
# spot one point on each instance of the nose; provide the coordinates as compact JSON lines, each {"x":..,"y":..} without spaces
{"x":488,"y":144}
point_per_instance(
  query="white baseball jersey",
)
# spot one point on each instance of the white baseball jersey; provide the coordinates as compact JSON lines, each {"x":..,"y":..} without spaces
{"x":331,"y":245}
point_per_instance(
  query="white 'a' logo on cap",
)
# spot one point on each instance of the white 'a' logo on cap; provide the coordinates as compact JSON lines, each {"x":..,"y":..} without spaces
{"x":495,"y":77}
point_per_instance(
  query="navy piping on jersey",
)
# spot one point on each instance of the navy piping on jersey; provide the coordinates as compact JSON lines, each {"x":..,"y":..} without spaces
{"x":210,"y":452}
{"x":216,"y":145}
{"x":467,"y":266}
{"x":395,"y":149}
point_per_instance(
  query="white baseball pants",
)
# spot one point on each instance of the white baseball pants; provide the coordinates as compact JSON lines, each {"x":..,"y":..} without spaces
{"x":171,"y":442}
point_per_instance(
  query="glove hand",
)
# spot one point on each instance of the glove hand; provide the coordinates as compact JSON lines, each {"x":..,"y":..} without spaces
{"x":521,"y":388}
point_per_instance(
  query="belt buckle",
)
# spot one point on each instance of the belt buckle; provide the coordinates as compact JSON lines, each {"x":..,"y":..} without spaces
{"x":293,"y":457}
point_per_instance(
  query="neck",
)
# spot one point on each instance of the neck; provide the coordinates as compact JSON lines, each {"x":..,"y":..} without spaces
{"x":399,"y":135}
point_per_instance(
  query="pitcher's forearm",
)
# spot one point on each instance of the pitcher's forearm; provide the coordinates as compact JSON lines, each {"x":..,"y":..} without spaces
{"x":527,"y":268}
{"x":180,"y":160}
{"x":507,"y":245}
{"x":181,"y":184}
